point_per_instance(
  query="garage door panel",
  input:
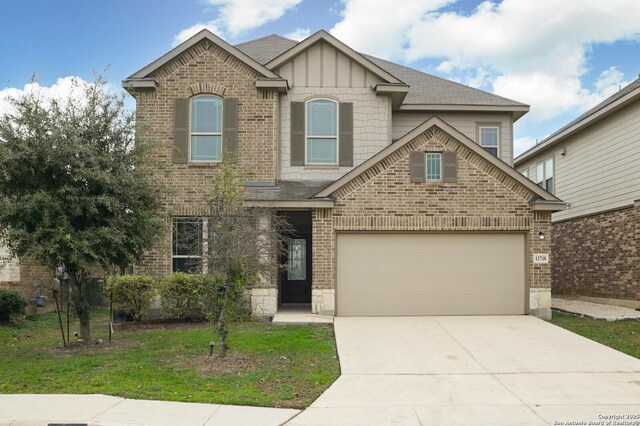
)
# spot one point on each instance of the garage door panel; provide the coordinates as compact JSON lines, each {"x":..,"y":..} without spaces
{"x":430,"y":274}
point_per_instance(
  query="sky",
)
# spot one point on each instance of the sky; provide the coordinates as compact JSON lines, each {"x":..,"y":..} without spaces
{"x":559,"y":57}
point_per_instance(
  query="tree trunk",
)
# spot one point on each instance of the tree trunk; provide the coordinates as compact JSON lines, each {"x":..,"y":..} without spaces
{"x":222,"y":339}
{"x":82,"y":304}
{"x":85,"y":329}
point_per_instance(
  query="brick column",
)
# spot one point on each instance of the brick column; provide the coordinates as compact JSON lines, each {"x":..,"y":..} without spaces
{"x":323,"y":243}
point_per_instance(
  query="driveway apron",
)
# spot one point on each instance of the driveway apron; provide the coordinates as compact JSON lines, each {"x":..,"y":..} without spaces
{"x":472,"y":370}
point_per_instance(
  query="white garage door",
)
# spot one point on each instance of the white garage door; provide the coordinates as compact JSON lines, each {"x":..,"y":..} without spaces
{"x":430,"y":274}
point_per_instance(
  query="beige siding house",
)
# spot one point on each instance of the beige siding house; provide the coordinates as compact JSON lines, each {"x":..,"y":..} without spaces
{"x":593,"y":164}
{"x":398,"y":183}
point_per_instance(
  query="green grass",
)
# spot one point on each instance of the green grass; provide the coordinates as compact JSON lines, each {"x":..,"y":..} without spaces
{"x":268,"y":365}
{"x":620,"y":335}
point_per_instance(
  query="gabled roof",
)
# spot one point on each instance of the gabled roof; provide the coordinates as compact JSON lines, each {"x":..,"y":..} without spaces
{"x":136,"y":79}
{"x":266,"y":48}
{"x":623,"y":97}
{"x":543,"y":199}
{"x":426,"y":91}
{"x":322,"y":35}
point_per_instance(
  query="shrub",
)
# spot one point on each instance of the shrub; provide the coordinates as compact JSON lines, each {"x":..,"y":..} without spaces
{"x":11,"y":303}
{"x":182,"y":295}
{"x":131,"y":294}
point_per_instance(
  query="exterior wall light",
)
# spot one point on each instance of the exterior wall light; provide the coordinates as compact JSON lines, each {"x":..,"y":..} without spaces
{"x":541,"y":235}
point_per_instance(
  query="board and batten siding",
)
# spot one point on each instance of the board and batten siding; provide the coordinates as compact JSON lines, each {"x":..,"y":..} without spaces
{"x":321,"y":65}
{"x":465,"y":123}
{"x":601,"y":167}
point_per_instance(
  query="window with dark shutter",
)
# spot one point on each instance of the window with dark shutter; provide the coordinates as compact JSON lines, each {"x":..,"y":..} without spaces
{"x":418,"y":166}
{"x":206,"y":128}
{"x":297,"y":133}
{"x":345,"y":139}
{"x":230,"y":126}
{"x":450,"y":166}
{"x":181,"y":131}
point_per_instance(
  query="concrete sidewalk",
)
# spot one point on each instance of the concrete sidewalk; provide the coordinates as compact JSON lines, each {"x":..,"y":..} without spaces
{"x":109,"y":410}
{"x":594,"y":310}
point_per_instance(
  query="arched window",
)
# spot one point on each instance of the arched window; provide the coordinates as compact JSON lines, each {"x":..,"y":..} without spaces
{"x":206,"y":128}
{"x":322,"y":132}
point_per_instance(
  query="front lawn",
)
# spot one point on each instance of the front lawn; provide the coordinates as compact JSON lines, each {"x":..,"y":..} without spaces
{"x":620,"y":335}
{"x":267,"y":365}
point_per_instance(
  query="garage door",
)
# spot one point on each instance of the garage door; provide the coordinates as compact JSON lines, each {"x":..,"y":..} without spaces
{"x":430,"y":274}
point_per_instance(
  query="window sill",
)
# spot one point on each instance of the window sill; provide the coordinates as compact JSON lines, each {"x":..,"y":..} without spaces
{"x":321,"y":166}
{"x":205,"y":164}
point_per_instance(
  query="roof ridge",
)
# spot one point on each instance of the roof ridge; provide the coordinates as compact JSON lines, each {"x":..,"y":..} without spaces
{"x":264,"y":37}
{"x":444,"y":79}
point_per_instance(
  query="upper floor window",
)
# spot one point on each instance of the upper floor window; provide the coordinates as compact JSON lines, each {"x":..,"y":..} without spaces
{"x":434,"y":166}
{"x":544,"y":174}
{"x":489,"y":138}
{"x":206,"y":128}
{"x":322,"y":132}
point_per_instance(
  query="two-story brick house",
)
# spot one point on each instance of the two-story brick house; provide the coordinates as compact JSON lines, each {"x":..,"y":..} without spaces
{"x":399,"y":184}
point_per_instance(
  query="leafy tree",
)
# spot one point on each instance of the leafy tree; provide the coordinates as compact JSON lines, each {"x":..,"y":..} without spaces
{"x":239,"y":247}
{"x":75,"y":188}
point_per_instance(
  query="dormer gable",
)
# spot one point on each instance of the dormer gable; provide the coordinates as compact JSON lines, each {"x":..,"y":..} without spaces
{"x":144,"y":78}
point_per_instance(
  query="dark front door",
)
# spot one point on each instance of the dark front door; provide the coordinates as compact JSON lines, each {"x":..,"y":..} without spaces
{"x":296,"y":276}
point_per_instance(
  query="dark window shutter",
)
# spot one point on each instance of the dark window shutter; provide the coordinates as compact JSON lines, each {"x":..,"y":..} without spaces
{"x":346,"y":134}
{"x":418,"y":163}
{"x":450,"y":166}
{"x":230,"y":126}
{"x":297,"y":133}
{"x":181,"y":131}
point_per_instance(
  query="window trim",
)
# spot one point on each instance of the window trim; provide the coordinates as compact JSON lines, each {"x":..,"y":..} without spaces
{"x":191,"y":133}
{"x":490,"y":125}
{"x":337,"y":137}
{"x":426,"y":166}
{"x":204,"y":242}
{"x":543,"y":183}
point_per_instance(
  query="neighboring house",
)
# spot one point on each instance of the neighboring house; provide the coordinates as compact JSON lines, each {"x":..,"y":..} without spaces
{"x":399,"y":184}
{"x":593,"y":163}
{"x":28,"y":278}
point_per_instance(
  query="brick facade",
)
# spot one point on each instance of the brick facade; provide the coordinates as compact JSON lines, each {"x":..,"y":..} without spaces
{"x":204,"y":69}
{"x":384,"y":199}
{"x":598,"y":255}
{"x":33,"y":279}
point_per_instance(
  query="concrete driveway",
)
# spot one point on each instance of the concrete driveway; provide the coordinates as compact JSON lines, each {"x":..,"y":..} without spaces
{"x":473,"y":370}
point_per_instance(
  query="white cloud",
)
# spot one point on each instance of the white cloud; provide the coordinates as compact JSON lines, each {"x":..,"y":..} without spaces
{"x":193,"y":30}
{"x":298,"y":34}
{"x":533,"y":51}
{"x":63,"y":88}
{"x":365,"y":28}
{"x":236,"y":16}
{"x":520,"y":145}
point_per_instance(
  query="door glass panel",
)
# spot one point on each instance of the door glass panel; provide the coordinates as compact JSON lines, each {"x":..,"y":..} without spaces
{"x":297,"y":260}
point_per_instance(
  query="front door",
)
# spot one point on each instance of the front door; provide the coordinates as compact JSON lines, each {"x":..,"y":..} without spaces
{"x":296,"y":276}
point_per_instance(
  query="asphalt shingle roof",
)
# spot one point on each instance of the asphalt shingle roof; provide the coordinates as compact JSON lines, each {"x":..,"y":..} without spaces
{"x":285,"y":190}
{"x":424,"y":88}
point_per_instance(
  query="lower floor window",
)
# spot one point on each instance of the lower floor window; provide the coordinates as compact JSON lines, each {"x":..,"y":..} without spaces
{"x":187,"y":245}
